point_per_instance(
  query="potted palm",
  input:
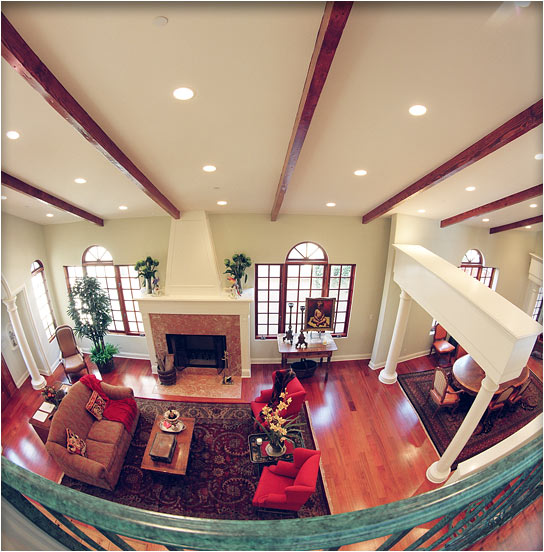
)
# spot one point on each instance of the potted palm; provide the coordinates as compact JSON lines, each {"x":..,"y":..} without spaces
{"x":147,"y":269}
{"x":89,"y":308}
{"x":237,"y":267}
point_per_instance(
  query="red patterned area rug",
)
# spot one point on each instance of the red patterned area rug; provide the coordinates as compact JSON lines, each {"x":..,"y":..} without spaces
{"x":220,"y":480}
{"x":441,"y":425}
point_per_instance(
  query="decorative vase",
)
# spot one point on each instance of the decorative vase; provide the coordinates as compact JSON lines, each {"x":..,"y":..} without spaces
{"x":273,"y":451}
{"x":148,"y":288}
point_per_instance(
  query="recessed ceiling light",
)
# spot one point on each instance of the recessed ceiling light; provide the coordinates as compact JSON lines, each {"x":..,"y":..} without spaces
{"x":421,"y":210}
{"x":359,"y":172}
{"x":50,"y":215}
{"x":528,"y":226}
{"x":123,"y":207}
{"x":209,"y":168}
{"x":160,"y":21}
{"x":3,"y":197}
{"x":221,"y":202}
{"x":470,"y":188}
{"x":80,"y":180}
{"x":331,"y":204}
{"x":539,"y":156}
{"x":533,"y":205}
{"x":485,"y":220}
{"x":417,"y":110}
{"x":183,"y":93}
{"x":12,"y":134}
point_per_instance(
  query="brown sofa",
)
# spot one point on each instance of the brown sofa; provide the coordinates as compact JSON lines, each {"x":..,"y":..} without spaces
{"x":107,"y":441}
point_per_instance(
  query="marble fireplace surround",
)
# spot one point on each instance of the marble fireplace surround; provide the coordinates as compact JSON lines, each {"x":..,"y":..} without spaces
{"x":199,"y":316}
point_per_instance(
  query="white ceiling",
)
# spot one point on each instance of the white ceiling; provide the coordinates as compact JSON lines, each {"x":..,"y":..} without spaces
{"x":474,"y":65}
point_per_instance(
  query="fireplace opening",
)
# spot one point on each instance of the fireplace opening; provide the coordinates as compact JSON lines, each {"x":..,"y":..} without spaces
{"x":197,"y":350}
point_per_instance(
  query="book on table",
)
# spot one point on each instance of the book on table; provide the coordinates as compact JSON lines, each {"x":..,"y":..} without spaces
{"x":162,"y":449}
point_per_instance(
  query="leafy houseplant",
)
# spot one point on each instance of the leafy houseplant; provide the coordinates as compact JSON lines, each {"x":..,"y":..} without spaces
{"x":89,"y":308}
{"x":237,"y":267}
{"x":147,"y":269}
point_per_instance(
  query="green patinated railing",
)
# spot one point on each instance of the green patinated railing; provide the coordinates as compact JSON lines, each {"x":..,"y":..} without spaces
{"x":463,"y":513}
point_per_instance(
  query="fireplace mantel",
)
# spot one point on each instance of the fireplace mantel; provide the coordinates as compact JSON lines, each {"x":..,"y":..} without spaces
{"x":205,"y":306}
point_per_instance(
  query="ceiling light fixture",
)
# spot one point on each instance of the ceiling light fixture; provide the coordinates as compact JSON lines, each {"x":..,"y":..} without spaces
{"x":209,"y":168}
{"x":183,"y":93}
{"x":485,"y":220}
{"x":528,"y":227}
{"x":539,"y":156}
{"x":160,"y":21}
{"x":331,"y":204}
{"x":80,"y":180}
{"x":50,"y":215}
{"x":533,"y":205}
{"x":359,"y":172}
{"x":12,"y":134}
{"x":222,"y":202}
{"x":421,"y":210}
{"x":417,"y":110}
{"x":470,"y":188}
{"x":123,"y":207}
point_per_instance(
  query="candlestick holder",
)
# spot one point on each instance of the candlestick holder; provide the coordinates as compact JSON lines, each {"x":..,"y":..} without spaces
{"x":289,"y":334}
{"x":301,"y":343}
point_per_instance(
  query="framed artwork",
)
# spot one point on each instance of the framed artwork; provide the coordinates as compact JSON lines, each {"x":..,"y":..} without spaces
{"x":319,"y":314}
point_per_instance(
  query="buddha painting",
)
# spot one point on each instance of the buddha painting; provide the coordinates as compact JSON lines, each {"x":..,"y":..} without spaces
{"x":319,"y":314}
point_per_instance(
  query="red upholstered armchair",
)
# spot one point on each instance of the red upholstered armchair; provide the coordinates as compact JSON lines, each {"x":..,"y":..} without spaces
{"x":294,"y":390}
{"x":288,"y":485}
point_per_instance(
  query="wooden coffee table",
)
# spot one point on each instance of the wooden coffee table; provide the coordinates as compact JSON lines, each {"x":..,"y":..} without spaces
{"x":178,"y":465}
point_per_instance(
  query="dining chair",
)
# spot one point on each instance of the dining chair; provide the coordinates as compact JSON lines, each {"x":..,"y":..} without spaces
{"x":498,"y":404}
{"x":72,"y":361}
{"x":442,"y":394}
{"x":514,"y":399}
{"x":443,"y":349}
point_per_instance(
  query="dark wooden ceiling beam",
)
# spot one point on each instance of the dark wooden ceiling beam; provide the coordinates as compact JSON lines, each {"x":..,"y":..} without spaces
{"x":506,"y":133}
{"x":518,"y":224}
{"x":23,"y":59}
{"x":513,"y":199}
{"x":330,"y":31}
{"x":20,"y":186}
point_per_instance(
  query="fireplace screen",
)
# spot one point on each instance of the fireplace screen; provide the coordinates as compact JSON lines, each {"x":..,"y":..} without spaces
{"x":197,"y":350}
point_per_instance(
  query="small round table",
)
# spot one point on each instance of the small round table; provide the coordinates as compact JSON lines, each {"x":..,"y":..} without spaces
{"x":468,"y":374}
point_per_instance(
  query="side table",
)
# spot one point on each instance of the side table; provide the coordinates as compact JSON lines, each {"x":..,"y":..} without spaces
{"x":257,"y":453}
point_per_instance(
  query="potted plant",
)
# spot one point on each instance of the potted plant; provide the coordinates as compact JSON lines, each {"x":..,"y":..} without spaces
{"x":147,"y":269}
{"x":89,"y":308}
{"x":237,"y":267}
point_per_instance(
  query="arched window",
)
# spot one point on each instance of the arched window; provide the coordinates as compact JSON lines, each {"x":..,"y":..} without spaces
{"x":305,"y":273}
{"x":119,"y":281}
{"x":41,"y":294}
{"x":473,"y":264}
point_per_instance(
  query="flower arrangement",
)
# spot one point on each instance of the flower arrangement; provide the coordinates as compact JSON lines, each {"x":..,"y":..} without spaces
{"x":277,"y":427}
{"x":52,"y":395}
{"x":147,"y":269}
{"x":237,"y":269}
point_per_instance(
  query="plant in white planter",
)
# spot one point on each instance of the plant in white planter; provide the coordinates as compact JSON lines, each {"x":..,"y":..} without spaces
{"x":147,"y":269}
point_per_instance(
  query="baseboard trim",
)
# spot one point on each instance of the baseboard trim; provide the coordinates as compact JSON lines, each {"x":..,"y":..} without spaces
{"x":401,"y":359}
{"x":21,"y":380}
{"x":122,"y":354}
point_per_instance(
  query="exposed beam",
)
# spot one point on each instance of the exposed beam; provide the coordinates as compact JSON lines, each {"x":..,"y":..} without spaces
{"x":330,"y":31}
{"x":23,"y":59}
{"x":506,"y":133}
{"x":518,"y":224}
{"x":513,"y":199}
{"x":20,"y":186}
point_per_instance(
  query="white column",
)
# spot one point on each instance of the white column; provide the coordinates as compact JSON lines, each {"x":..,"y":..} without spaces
{"x":388,"y":374}
{"x":440,"y":470}
{"x":38,"y":381}
{"x":531,"y":302}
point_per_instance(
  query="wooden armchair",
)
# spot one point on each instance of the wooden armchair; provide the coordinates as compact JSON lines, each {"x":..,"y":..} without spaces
{"x":442,"y":394}
{"x":72,"y":359}
{"x":514,"y":398}
{"x":443,"y":349}
{"x":498,"y":404}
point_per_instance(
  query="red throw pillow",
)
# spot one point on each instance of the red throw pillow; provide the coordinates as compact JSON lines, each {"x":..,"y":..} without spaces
{"x":75,"y":444}
{"x":96,"y":405}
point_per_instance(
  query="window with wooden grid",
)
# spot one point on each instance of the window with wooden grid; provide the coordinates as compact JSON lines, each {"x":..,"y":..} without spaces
{"x":281,"y":289}
{"x":120,"y":282}
{"x":43,"y":301}
{"x":473,"y":264}
{"x":538,"y":305}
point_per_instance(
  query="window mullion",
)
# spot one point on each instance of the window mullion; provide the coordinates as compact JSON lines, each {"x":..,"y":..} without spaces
{"x":121,"y":299}
{"x":283,"y":295}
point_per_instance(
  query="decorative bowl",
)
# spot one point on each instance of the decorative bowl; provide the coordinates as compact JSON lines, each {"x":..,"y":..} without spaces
{"x":171,"y":416}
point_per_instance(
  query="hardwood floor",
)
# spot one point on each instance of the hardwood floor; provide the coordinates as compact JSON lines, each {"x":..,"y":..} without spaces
{"x":374,"y":449}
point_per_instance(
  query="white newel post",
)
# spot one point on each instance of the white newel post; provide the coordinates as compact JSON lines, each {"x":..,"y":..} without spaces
{"x":439,"y":471}
{"x":388,"y":374}
{"x":38,"y":381}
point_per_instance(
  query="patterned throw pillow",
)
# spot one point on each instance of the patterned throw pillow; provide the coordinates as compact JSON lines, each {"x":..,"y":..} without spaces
{"x":75,"y":444}
{"x":95,"y":405}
